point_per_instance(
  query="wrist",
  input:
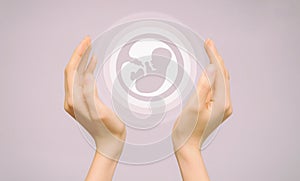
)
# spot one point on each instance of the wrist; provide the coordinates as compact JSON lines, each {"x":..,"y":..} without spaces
{"x":188,"y":152}
{"x":112,"y":154}
{"x":100,"y":157}
{"x":109,"y":147}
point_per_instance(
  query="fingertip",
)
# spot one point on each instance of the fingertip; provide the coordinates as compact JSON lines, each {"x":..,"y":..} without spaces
{"x":208,"y":45}
{"x":85,"y":43}
{"x":88,"y":38}
{"x":208,"y":42}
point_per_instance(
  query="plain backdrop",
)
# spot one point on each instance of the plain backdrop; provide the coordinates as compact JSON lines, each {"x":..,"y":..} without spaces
{"x":258,"y":39}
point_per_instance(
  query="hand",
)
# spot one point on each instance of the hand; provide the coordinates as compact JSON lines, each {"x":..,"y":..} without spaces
{"x":83,"y":103}
{"x":208,"y":107}
{"x":204,"y":112}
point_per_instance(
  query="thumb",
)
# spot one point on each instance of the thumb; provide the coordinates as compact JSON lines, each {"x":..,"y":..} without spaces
{"x":206,"y":83}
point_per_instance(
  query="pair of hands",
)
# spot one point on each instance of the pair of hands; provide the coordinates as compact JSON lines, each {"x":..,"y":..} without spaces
{"x":204,"y":112}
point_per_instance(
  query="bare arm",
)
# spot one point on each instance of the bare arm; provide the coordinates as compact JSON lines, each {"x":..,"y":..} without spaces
{"x":191,"y":164}
{"x":102,"y":168}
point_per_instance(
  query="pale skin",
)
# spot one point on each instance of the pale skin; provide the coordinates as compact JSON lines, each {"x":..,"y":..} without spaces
{"x":213,"y":93}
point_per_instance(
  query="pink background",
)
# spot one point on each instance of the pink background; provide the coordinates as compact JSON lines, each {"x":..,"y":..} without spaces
{"x":258,"y":39}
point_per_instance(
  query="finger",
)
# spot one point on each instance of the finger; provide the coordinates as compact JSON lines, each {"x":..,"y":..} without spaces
{"x":208,"y":48}
{"x":219,"y":87}
{"x":84,"y":60}
{"x":92,"y":65}
{"x":214,"y":56}
{"x":228,"y":104}
{"x":70,"y":73}
{"x":88,"y":94}
{"x":205,"y":83}
{"x":78,"y":53}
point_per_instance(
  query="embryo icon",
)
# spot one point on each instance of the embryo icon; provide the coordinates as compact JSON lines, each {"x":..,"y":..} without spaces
{"x":147,"y":71}
{"x":158,"y":64}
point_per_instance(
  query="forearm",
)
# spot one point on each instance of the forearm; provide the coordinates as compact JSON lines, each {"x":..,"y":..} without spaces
{"x":191,"y":164}
{"x":102,"y":168}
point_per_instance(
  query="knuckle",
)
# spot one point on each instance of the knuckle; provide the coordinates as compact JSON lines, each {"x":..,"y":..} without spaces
{"x":67,"y":70}
{"x":229,"y":111}
{"x":227,"y":74}
{"x":68,"y":108}
{"x":68,"y":104}
{"x":227,"y":106}
{"x":122,"y":130}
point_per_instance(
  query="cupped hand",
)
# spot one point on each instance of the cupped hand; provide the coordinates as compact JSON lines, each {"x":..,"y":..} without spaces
{"x":208,"y":107}
{"x":83,"y":103}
